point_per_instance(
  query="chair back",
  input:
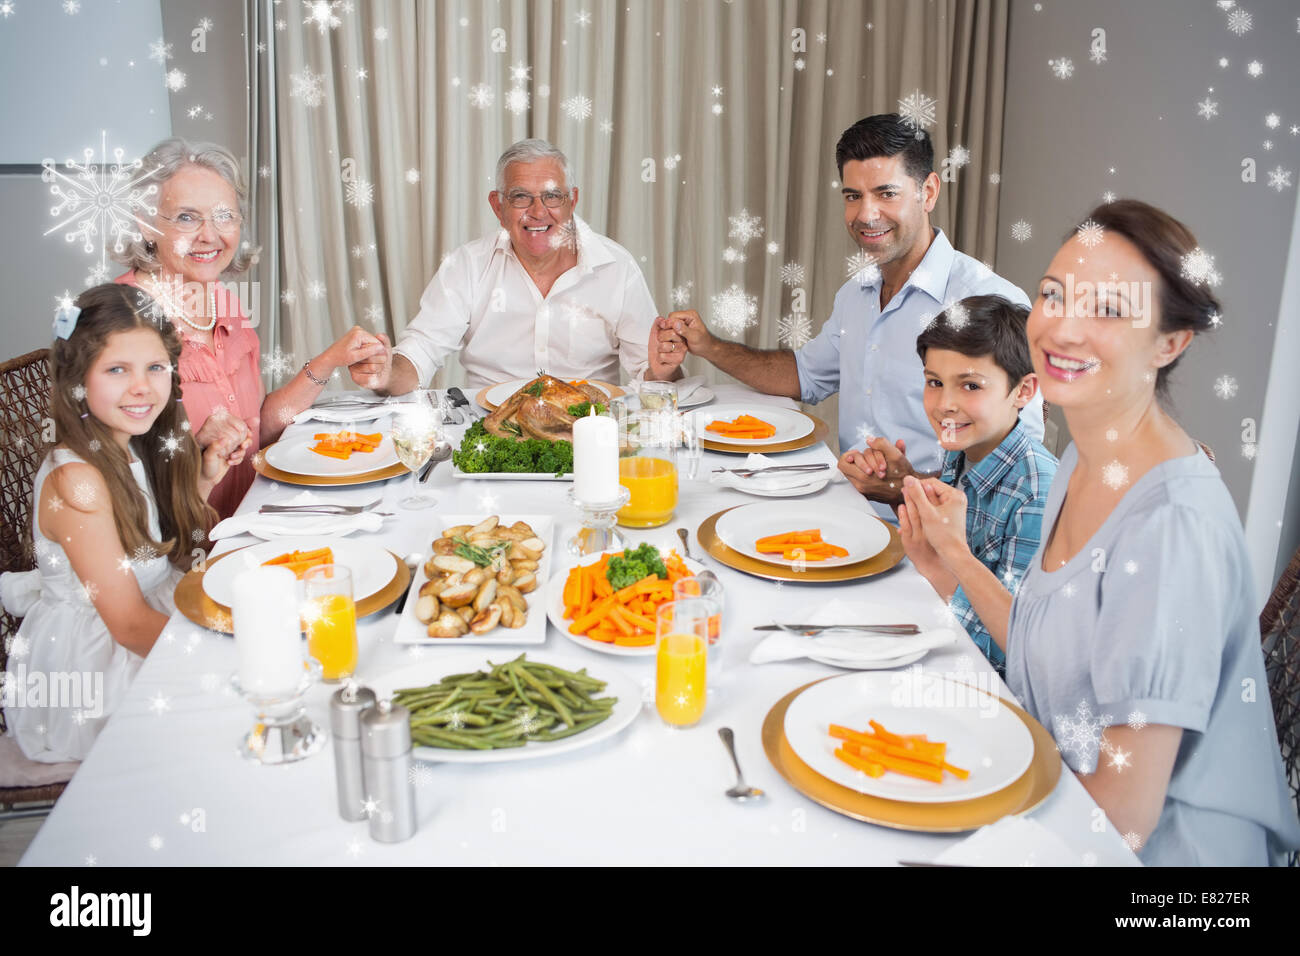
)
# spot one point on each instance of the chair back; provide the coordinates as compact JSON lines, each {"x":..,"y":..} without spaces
{"x":1279,"y":625}
{"x":24,"y":401}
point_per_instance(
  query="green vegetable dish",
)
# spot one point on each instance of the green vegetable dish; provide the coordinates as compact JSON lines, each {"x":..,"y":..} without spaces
{"x":583,"y":409}
{"x":506,"y":706}
{"x":631,"y":566}
{"x":481,"y":452}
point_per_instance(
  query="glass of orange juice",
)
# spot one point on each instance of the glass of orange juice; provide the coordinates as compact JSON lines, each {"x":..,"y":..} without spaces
{"x":647,"y":468}
{"x":330,"y":619}
{"x":681,"y":660}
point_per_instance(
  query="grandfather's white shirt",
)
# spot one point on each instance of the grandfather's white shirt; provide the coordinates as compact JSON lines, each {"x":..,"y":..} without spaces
{"x":597,"y":316}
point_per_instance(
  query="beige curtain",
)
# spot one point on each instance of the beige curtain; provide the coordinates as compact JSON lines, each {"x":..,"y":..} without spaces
{"x":702,"y":136}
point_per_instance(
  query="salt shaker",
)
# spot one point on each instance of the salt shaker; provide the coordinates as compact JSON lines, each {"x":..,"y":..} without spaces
{"x":386,"y":760}
{"x":346,"y":707}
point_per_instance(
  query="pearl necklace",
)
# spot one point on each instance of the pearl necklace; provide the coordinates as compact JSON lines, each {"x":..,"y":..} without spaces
{"x":165,"y":299}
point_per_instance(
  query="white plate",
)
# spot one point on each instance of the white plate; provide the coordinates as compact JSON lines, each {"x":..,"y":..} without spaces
{"x":903,"y":661}
{"x":295,"y":456}
{"x":555,"y":610}
{"x":789,"y":423}
{"x":861,"y":534}
{"x":433,"y":669}
{"x":701,"y":396}
{"x":797,"y":491}
{"x":510,"y":475}
{"x":411,"y":631}
{"x":499,"y":393}
{"x":372,"y":567}
{"x":982,"y":735}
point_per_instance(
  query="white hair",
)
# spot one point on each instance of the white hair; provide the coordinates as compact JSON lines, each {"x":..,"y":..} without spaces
{"x":167,"y":159}
{"x":530,"y":151}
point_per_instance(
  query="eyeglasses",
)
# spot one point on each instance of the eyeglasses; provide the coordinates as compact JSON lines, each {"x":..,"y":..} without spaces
{"x":223,"y":220}
{"x":551,"y":199}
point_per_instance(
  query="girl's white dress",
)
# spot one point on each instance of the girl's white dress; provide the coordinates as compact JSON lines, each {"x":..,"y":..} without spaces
{"x":65,"y":674}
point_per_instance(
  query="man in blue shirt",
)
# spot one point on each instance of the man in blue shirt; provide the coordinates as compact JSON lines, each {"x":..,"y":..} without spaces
{"x":866,"y":350}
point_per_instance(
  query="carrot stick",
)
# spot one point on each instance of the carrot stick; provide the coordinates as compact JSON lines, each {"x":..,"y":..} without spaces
{"x":857,"y":763}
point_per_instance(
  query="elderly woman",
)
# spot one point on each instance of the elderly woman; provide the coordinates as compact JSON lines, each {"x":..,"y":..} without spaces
{"x":1134,"y":634}
{"x":191,"y":247}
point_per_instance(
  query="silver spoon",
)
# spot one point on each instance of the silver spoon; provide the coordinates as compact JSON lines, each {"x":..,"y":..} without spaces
{"x":412,"y":561}
{"x":441,"y":452}
{"x":740,"y":791}
{"x":686,"y":540}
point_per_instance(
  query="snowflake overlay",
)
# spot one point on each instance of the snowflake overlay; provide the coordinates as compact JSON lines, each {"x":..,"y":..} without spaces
{"x":360,"y":193}
{"x":1080,"y":734}
{"x":1021,"y":231}
{"x":577,"y":107}
{"x":308,"y":87}
{"x":861,"y":266}
{"x":734,"y":310}
{"x":744,"y":227}
{"x":917,"y":110}
{"x":792,"y":274}
{"x":794,"y":331}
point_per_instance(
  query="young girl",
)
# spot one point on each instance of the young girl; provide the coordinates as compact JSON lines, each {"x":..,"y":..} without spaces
{"x":1134,"y":636}
{"x":118,"y":505}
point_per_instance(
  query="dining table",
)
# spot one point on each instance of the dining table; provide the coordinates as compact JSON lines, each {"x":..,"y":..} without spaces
{"x":165,"y":784}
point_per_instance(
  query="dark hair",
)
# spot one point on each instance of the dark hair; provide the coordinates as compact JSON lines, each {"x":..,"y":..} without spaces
{"x":1186,"y":301}
{"x":173,"y":475}
{"x":982,"y":325}
{"x":885,"y":134}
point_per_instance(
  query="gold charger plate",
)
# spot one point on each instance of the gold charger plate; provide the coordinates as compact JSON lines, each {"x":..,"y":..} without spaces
{"x":1031,"y":789}
{"x":293,"y":478}
{"x":877,"y":564}
{"x":194,"y":603}
{"x":481,"y":397}
{"x":819,"y":433}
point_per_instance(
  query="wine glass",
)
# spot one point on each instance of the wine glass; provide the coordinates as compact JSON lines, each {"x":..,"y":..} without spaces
{"x":416,"y":430}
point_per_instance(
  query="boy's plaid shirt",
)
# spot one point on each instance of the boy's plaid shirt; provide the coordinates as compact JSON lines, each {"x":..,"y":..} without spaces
{"x":1006,"y":493}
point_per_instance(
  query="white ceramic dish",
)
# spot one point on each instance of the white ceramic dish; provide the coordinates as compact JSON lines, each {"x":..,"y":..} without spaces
{"x":510,"y":475}
{"x":861,"y":534}
{"x":555,"y":610}
{"x":411,"y":631}
{"x":789,"y":423}
{"x":372,"y":567}
{"x":982,"y":735}
{"x":432,"y":669}
{"x":295,"y":456}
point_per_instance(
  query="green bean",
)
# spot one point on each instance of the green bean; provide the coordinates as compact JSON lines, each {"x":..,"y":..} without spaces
{"x":569,"y":732}
{"x":545,"y":691}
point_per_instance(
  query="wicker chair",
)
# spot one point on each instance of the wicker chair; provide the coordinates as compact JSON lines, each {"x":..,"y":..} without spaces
{"x":1279,"y":626}
{"x":24,"y":391}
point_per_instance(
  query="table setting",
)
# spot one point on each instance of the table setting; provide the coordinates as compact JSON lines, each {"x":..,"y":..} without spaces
{"x":627,"y":640}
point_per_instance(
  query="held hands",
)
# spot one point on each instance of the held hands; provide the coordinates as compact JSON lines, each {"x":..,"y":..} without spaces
{"x":672,"y":337}
{"x":935,"y":512}
{"x":223,"y":441}
{"x":371,"y":362}
{"x":877,"y":470}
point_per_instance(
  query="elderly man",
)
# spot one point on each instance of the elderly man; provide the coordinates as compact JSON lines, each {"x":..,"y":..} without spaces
{"x":866,"y":350}
{"x":545,"y":293}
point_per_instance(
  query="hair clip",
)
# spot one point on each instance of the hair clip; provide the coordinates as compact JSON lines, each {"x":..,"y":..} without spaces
{"x":65,"y":320}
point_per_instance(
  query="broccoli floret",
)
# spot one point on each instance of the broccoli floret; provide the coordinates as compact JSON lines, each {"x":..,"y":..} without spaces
{"x":583,"y":409}
{"x":631,"y":566}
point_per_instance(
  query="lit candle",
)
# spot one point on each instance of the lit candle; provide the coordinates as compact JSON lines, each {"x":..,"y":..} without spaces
{"x":268,"y":631}
{"x":595,"y":459}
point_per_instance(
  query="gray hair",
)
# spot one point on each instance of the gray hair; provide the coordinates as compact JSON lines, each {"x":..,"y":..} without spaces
{"x":167,"y":159}
{"x":530,"y":151}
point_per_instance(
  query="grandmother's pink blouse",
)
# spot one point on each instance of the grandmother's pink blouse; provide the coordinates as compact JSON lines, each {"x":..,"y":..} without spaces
{"x":230,"y":378}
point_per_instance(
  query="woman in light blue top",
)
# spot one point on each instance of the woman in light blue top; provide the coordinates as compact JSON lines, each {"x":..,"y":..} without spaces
{"x":1134,"y":635}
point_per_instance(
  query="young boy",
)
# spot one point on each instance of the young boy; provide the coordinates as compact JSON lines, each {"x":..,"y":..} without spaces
{"x":972,"y":531}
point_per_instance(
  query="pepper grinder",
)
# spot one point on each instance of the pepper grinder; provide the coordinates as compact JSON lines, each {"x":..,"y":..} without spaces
{"x":346,"y":707}
{"x":386,"y":762}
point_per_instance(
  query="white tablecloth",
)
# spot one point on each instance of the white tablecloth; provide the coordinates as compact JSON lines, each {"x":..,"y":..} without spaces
{"x":164,"y":784}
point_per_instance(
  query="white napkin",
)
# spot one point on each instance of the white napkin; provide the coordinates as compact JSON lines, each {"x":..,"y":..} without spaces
{"x":1011,"y":841}
{"x":773,"y":481}
{"x":851,"y":647}
{"x":686,"y":387}
{"x":347,"y":415}
{"x":303,"y":524}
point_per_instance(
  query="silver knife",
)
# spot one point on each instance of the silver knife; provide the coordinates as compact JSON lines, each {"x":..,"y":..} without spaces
{"x":807,"y":630}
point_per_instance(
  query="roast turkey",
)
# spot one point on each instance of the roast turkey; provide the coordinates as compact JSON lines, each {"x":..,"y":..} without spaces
{"x":540,"y":409}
